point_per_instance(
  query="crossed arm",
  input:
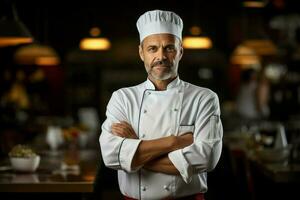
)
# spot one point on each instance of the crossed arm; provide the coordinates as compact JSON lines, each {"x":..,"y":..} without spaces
{"x":152,"y":154}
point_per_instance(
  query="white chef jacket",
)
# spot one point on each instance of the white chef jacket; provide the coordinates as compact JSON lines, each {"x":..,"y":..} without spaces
{"x":181,"y":108}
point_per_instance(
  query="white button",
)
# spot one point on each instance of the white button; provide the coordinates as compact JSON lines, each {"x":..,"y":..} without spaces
{"x":175,"y":109}
{"x":143,"y":135}
{"x":166,"y":187}
{"x":149,"y":93}
{"x":143,"y":188}
{"x":145,"y":111}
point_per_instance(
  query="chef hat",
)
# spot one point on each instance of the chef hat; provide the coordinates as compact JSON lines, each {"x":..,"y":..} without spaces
{"x":159,"y":21}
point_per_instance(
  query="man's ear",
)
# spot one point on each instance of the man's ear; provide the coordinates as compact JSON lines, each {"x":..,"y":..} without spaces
{"x":141,"y":52}
{"x":181,"y":52}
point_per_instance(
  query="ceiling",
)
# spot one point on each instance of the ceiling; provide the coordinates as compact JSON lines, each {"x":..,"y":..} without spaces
{"x":63,"y":24}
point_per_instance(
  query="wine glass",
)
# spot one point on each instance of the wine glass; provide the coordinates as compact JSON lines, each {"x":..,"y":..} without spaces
{"x":54,"y":137}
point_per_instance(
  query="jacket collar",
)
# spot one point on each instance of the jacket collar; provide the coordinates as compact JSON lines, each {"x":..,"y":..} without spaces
{"x":175,"y":83}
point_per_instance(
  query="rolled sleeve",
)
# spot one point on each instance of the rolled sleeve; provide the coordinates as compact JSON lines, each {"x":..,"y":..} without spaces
{"x":203,"y":155}
{"x":126,"y":153}
{"x":181,"y":164}
{"x":117,"y":152}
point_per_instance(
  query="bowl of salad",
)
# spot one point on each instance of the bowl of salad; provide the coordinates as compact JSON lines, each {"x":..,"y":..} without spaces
{"x":24,"y":159}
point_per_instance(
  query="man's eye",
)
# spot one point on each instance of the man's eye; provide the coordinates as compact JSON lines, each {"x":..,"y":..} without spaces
{"x":170,"y":48}
{"x":151,"y":49}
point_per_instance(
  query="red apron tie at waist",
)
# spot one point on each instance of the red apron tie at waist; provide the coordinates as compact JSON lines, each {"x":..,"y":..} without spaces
{"x":199,"y":196}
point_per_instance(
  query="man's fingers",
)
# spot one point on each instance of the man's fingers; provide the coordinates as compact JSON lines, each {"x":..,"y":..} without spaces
{"x":117,"y":125}
{"x":121,"y":125}
{"x":123,"y":129}
{"x":117,"y":131}
{"x":124,"y":126}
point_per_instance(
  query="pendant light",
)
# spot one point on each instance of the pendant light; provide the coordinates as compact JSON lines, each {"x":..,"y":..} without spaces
{"x":245,"y":57}
{"x":255,"y":3}
{"x":255,"y":46}
{"x":38,"y":53}
{"x":197,"y":40}
{"x":263,"y":47}
{"x":12,"y":29}
{"x":94,"y":42}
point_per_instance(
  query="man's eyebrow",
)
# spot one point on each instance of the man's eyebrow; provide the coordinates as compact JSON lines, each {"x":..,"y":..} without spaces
{"x":151,"y":45}
{"x":170,"y":45}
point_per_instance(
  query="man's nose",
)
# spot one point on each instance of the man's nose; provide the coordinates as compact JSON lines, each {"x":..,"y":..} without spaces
{"x":161,"y":54}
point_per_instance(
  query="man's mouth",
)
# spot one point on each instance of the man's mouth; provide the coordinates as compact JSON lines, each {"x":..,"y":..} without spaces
{"x":161,"y":65}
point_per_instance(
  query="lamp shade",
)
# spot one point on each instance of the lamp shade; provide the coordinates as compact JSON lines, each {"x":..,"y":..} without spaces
{"x":197,"y":40}
{"x":36,"y":54}
{"x":263,"y":47}
{"x":13,"y":32}
{"x":245,"y":56}
{"x":94,"y":42}
{"x":255,"y":3}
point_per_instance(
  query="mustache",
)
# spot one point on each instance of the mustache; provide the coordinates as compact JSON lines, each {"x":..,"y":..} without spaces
{"x":162,"y":62}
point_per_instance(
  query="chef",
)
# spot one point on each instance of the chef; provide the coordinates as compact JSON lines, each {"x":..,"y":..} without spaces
{"x":164,"y":134}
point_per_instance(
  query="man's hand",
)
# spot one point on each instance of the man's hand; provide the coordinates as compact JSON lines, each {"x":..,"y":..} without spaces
{"x":184,"y":140}
{"x":163,"y":165}
{"x":123,"y":129}
{"x":152,"y":149}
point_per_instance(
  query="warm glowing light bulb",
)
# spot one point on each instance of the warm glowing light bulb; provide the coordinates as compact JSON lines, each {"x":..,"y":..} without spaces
{"x":95,"y":31}
{"x":10,"y":41}
{"x":94,"y":44}
{"x":195,"y":30}
{"x":197,"y":43}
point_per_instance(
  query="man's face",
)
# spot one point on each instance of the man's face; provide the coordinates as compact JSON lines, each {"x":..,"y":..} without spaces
{"x":161,"y":54}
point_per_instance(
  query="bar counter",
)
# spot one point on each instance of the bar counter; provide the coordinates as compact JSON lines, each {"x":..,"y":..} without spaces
{"x":261,"y":179}
{"x":59,"y":171}
{"x":278,"y":172}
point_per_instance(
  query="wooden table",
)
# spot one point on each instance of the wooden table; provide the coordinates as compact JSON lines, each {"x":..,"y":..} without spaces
{"x":62,"y":171}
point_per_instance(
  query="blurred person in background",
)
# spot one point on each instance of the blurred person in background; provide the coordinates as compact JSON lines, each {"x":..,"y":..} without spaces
{"x":252,"y":101}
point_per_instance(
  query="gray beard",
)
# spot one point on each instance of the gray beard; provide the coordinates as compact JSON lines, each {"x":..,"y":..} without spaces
{"x":162,"y":78}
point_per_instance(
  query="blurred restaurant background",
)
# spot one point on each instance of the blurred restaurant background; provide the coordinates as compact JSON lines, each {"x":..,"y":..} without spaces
{"x":60,"y":63}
